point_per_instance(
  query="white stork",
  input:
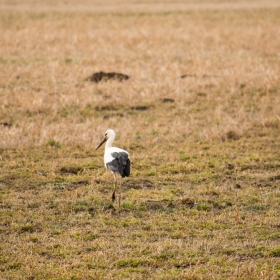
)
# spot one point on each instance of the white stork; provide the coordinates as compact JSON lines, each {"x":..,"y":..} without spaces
{"x":116,"y":160}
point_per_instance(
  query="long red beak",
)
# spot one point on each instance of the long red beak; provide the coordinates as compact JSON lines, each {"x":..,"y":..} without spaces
{"x":102,"y":142}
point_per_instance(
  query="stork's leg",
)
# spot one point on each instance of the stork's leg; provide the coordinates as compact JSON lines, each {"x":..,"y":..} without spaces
{"x":114,"y":192}
{"x":120,"y":194}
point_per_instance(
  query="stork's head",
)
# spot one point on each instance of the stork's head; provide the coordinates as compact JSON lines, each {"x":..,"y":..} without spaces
{"x":110,"y":133}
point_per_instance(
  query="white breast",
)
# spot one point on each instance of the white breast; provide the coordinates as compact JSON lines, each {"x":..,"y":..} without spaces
{"x":108,"y":154}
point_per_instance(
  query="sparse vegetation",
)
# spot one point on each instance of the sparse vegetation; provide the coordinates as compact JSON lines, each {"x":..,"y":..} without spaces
{"x":199,"y":114}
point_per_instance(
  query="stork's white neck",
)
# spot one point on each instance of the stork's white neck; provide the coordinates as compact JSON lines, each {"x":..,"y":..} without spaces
{"x":109,"y":142}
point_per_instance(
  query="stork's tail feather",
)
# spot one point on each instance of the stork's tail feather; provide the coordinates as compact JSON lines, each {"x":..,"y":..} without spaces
{"x":126,"y":170}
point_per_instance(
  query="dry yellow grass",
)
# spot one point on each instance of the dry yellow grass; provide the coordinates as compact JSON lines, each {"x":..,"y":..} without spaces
{"x":46,"y":57}
{"x":203,"y":199}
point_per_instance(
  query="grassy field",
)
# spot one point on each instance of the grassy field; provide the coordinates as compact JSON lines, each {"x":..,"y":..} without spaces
{"x":200,"y":116}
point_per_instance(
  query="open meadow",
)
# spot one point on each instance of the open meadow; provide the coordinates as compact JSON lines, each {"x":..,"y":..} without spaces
{"x":199,"y":115}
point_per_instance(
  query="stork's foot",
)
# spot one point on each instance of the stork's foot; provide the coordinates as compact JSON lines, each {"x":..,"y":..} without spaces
{"x":114,"y":196}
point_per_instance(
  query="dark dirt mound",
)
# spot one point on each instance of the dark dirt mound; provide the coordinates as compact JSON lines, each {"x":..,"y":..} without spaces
{"x":140,"y":108}
{"x":188,"y":75}
{"x":168,"y":100}
{"x":103,"y":76}
{"x":5,"y":124}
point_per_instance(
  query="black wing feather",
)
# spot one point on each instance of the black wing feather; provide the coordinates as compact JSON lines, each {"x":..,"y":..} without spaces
{"x":121,"y":162}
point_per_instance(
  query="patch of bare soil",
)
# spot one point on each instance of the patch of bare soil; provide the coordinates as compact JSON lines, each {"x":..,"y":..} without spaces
{"x":140,"y":108}
{"x":168,"y":100}
{"x":103,"y":76}
{"x":139,"y":184}
{"x":5,"y":124}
